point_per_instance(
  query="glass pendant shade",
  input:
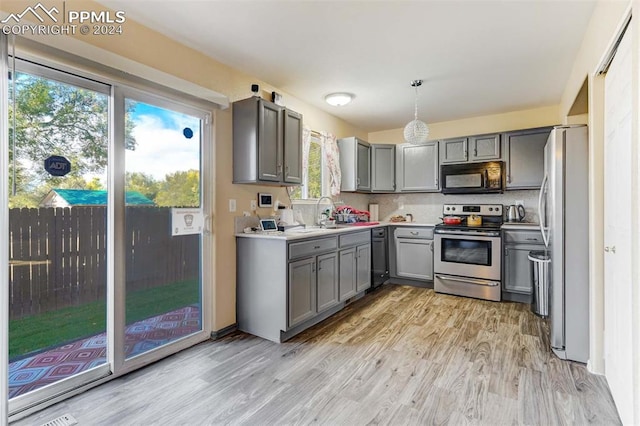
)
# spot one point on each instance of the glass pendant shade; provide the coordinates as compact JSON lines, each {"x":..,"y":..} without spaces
{"x":416,"y":132}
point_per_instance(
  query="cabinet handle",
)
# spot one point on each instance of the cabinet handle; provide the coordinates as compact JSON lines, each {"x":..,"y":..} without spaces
{"x":475,"y":152}
{"x":414,"y":233}
{"x":431,"y":246}
{"x":313,"y":267}
{"x":286,"y":170}
{"x":279,"y":169}
{"x":358,"y":181}
{"x":464,"y":152}
{"x":509,"y":178}
{"x":532,"y":239}
{"x":316,"y":247}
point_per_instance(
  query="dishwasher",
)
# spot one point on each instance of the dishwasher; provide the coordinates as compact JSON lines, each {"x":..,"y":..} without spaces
{"x":414,"y":253}
{"x":379,"y":257}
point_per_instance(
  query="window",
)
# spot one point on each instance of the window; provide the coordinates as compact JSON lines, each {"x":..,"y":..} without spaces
{"x":313,"y":185}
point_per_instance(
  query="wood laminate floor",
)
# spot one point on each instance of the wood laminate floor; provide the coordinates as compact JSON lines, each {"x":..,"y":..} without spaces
{"x":400,"y":356}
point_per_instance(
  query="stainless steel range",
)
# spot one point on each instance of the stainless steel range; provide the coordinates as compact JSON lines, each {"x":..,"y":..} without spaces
{"x":467,"y":256}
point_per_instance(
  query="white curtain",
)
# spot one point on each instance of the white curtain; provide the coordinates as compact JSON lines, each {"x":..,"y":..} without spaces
{"x":332,"y":158}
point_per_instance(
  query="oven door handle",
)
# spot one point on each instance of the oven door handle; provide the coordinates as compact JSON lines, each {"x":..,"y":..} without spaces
{"x":469,"y":280}
{"x":468,"y":234}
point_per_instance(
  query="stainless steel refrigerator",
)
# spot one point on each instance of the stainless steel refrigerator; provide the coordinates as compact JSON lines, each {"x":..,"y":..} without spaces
{"x":563,"y":211}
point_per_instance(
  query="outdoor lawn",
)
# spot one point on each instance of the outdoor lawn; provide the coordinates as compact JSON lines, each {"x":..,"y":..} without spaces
{"x":40,"y":332}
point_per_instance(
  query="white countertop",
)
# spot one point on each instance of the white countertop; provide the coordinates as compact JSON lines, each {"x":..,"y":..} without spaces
{"x":315,"y":233}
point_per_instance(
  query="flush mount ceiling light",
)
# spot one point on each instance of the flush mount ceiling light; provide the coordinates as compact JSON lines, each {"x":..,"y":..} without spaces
{"x":339,"y":99}
{"x":416,"y":132}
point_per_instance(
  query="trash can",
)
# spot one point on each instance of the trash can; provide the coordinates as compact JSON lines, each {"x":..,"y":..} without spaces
{"x":539,"y":264}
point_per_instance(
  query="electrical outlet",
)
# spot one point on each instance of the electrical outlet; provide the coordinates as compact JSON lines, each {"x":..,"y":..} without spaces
{"x":246,"y":213}
{"x":254,"y":205}
{"x":520,"y":202}
{"x":232,"y":205}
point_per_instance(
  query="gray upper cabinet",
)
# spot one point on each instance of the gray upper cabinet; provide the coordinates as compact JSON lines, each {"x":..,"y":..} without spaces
{"x":454,"y":150}
{"x":524,"y":157}
{"x":417,"y":167}
{"x":484,"y":147}
{"x":267,"y":143}
{"x":355,"y":164}
{"x":470,"y":149}
{"x":292,"y":147}
{"x":383,"y":168}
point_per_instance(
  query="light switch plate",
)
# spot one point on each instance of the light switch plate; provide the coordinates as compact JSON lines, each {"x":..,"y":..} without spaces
{"x":254,"y":205}
{"x":232,"y":205}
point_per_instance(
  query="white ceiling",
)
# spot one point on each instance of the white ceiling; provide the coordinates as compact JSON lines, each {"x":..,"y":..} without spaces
{"x":476,"y":57}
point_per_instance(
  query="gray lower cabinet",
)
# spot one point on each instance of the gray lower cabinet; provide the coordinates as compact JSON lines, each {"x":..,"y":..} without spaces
{"x":354,"y":263}
{"x":383,"y":168}
{"x":417,"y":167}
{"x":517,"y":245}
{"x":412,"y":253}
{"x":363,"y":267}
{"x":327,"y":281}
{"x":285,"y":286}
{"x":347,"y":280}
{"x":302,"y":290}
{"x":524,"y":157}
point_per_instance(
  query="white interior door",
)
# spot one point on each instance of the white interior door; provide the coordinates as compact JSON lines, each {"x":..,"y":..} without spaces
{"x":617,"y":231}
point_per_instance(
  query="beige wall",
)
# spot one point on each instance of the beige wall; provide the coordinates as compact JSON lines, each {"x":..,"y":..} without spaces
{"x":152,"y":49}
{"x":516,"y":120}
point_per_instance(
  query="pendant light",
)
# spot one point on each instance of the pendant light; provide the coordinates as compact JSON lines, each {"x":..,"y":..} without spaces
{"x":416,"y":132}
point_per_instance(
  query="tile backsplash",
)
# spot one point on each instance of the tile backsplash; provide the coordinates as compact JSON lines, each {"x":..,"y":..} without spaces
{"x":427,"y":207}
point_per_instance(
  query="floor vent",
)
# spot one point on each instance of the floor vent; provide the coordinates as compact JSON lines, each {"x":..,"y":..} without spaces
{"x":63,"y":420}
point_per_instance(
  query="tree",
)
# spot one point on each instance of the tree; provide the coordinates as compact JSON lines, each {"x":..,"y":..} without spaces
{"x":54,"y":118}
{"x":142,"y":183}
{"x":180,"y":189}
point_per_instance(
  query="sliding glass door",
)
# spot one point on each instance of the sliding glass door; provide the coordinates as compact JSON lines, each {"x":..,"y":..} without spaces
{"x":164,"y":223}
{"x":58,"y":192}
{"x":108,"y":206}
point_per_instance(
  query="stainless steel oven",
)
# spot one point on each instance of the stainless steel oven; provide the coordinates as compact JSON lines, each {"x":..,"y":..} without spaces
{"x":468,"y":259}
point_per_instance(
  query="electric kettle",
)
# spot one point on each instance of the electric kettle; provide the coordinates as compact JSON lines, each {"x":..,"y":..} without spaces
{"x":515,"y":213}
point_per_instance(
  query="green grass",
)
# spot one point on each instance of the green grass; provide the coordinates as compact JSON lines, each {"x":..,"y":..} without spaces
{"x":58,"y":327}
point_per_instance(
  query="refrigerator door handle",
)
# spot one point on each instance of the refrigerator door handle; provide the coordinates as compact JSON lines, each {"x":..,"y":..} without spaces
{"x":541,"y":215}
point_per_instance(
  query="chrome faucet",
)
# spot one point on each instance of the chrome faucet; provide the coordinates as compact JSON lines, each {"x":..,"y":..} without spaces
{"x":319,"y":220}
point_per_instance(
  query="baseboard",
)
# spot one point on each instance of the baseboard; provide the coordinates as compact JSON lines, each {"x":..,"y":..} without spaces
{"x":219,"y":334}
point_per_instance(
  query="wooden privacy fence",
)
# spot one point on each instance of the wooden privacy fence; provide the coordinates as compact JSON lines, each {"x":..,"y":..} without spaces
{"x":58,"y":256}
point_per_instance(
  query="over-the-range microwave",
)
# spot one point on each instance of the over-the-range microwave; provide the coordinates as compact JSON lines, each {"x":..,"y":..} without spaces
{"x":472,"y":178}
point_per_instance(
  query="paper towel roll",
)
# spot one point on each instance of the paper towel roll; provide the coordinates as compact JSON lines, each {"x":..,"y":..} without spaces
{"x":373,"y":210}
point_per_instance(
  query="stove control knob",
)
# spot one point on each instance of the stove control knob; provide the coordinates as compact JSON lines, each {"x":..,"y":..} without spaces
{"x":448,"y":208}
{"x":453,"y":208}
{"x":490,"y":209}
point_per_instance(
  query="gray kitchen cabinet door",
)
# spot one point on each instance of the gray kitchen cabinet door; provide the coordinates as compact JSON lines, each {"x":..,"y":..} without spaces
{"x":484,"y":147}
{"x":269,"y":141}
{"x":383,"y":168}
{"x":453,"y":150}
{"x":417,"y":167}
{"x":363,"y":182}
{"x":347,"y":275}
{"x":292,"y":147}
{"x":327,"y":281}
{"x":517,"y":278}
{"x":524,"y":157}
{"x":412,"y":259}
{"x":363,"y":267}
{"x":301,"y":290}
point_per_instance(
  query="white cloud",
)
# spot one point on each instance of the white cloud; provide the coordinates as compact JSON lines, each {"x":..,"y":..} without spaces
{"x":161,"y":151}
